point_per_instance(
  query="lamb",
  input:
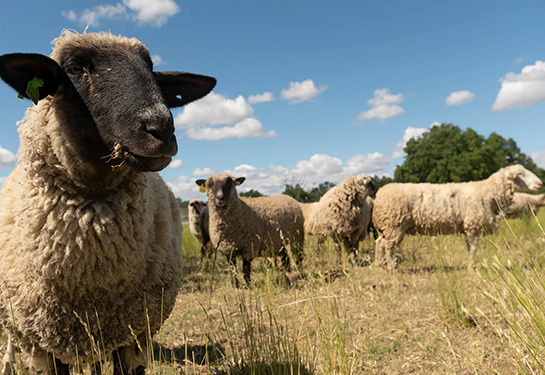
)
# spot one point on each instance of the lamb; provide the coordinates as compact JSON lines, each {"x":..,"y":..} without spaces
{"x":523,"y":203}
{"x":252,"y":227}
{"x":342,"y":213}
{"x":199,"y":224}
{"x":433,"y":209}
{"x":90,"y":235}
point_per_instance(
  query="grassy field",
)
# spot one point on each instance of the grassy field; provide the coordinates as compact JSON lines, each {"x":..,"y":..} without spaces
{"x":432,"y":315}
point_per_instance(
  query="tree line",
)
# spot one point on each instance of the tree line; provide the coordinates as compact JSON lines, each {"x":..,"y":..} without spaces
{"x":446,"y":153}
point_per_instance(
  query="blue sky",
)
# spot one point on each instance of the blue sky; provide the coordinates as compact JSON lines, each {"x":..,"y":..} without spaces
{"x":310,"y":91}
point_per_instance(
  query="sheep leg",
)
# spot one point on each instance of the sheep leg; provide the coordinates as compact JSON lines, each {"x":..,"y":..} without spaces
{"x":56,"y":367}
{"x":385,"y":250}
{"x":247,"y":270}
{"x":233,"y":268}
{"x":285,"y":259}
{"x":127,"y":360}
{"x":8,"y":362}
{"x":472,"y":242}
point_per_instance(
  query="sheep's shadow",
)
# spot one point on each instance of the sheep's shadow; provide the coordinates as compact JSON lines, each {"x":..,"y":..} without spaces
{"x":197,"y":354}
{"x":431,"y":269}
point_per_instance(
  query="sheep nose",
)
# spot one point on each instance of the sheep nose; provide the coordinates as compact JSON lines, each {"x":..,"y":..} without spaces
{"x":165,"y":134}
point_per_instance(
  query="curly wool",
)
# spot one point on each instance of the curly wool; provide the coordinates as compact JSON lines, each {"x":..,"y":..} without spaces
{"x":435,"y":209}
{"x":523,"y":202}
{"x":105,"y":255}
{"x":342,"y":211}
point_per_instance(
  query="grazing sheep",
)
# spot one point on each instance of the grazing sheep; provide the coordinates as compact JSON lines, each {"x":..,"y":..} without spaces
{"x":433,"y":209}
{"x":90,"y":235}
{"x":523,"y":203}
{"x":199,"y":224}
{"x":252,"y":227}
{"x":342,"y":213}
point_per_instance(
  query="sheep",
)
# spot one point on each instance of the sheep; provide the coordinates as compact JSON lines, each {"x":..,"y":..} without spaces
{"x":90,"y":235}
{"x":252,"y":227}
{"x":199,"y":224}
{"x":433,"y":209}
{"x":523,"y":203}
{"x":342,"y":213}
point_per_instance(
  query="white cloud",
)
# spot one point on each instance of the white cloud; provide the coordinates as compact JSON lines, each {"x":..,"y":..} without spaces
{"x":155,"y":13}
{"x":247,"y":128}
{"x":176,"y":164}
{"x":539,"y":157}
{"x":201,"y":120}
{"x":214,"y":109}
{"x":157,"y":60}
{"x":521,"y":90}
{"x":384,"y":105}
{"x":409,"y":133}
{"x":200,"y":172}
{"x":459,"y":97}
{"x":302,"y":91}
{"x":7,"y":158}
{"x":261,"y":98}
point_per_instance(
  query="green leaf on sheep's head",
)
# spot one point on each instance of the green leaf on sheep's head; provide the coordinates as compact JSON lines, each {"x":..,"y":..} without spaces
{"x":202,"y":189}
{"x":33,"y":89}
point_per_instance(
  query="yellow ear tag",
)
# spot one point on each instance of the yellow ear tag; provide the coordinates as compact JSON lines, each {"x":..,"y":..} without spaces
{"x":202,"y":189}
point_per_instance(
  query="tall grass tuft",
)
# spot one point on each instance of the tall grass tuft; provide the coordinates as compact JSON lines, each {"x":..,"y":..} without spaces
{"x":518,"y":296}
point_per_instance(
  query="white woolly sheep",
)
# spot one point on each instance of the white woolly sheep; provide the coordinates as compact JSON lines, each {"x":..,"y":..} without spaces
{"x":199,"y":224}
{"x":524,"y":203}
{"x":342,"y":213}
{"x":90,"y":235}
{"x":434,"y":209}
{"x":252,"y":227}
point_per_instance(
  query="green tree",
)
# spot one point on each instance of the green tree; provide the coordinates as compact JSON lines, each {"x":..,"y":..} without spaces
{"x":381,"y":181}
{"x":298,"y":192}
{"x":251,"y":194}
{"x":317,"y":192}
{"x":448,"y":154}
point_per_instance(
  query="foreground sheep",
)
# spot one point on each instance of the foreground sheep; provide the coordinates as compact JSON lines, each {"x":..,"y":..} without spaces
{"x":433,"y":209}
{"x":251,"y":227}
{"x":90,"y":236}
{"x":342,"y":213}
{"x":199,"y":224}
{"x":523,"y":203}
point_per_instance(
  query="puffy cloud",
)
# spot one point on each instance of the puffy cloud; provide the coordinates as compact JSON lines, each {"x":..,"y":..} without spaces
{"x":539,"y":157}
{"x":155,"y":13}
{"x":384,"y":105}
{"x":247,"y":128}
{"x":318,"y":164}
{"x":7,"y":158}
{"x":157,"y":60}
{"x":176,"y":164}
{"x":460,"y":97}
{"x":202,"y":119}
{"x":409,"y":133}
{"x":214,"y":109}
{"x":302,"y":91}
{"x":521,"y":90}
{"x":261,"y":98}
{"x":200,"y":172}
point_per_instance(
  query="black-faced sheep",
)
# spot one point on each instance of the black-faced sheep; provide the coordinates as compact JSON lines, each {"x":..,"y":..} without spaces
{"x":342,"y":213}
{"x":252,"y":227}
{"x":90,"y":236}
{"x":433,"y":209}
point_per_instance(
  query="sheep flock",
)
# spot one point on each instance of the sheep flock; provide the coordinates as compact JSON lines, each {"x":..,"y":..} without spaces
{"x":91,"y":236}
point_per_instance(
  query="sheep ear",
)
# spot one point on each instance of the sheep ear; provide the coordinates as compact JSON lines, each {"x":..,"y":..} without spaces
{"x":239,"y":180}
{"x":24,"y":71}
{"x":180,"y":88}
{"x":200,"y":182}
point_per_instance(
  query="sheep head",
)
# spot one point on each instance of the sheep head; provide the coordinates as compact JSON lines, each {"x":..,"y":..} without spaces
{"x":523,"y":179}
{"x":221,"y":190}
{"x":107,"y":95}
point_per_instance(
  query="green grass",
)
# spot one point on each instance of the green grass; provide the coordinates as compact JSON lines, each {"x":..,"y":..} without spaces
{"x":431,"y":316}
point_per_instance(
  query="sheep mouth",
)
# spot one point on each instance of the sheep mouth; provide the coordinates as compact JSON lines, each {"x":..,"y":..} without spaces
{"x":120,"y":156}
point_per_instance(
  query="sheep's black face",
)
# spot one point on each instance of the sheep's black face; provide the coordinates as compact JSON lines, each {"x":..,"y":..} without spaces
{"x":221,"y":190}
{"x":126,"y":103}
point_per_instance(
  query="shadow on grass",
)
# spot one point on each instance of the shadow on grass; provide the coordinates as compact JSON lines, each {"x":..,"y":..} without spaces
{"x":197,"y":354}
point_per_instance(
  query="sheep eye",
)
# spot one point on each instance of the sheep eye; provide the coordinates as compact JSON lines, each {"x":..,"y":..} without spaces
{"x":75,"y":70}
